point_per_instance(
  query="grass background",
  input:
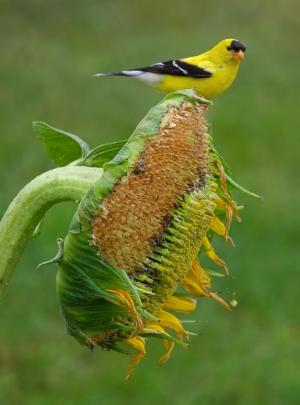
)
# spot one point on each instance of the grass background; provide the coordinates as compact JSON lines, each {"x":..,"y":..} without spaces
{"x":49,"y":51}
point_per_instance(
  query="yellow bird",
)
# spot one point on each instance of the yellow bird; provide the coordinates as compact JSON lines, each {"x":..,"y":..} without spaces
{"x":209,"y":73}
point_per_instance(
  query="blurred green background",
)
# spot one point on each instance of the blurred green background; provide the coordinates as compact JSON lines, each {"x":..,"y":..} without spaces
{"x":49,"y":51}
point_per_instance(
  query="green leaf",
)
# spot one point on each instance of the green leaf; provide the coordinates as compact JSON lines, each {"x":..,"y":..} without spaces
{"x":235,"y":185}
{"x":102,"y":154}
{"x":224,"y":163}
{"x":62,"y":147}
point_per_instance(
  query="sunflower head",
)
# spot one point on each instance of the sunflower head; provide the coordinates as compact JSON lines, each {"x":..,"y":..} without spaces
{"x":131,"y":257}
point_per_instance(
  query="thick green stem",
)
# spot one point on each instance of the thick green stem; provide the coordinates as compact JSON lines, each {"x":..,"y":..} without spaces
{"x":30,"y":205}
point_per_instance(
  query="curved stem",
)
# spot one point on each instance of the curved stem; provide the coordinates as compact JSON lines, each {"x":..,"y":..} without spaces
{"x":30,"y":205}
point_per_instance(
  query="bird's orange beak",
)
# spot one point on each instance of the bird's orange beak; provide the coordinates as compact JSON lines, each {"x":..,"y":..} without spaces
{"x":239,"y":55}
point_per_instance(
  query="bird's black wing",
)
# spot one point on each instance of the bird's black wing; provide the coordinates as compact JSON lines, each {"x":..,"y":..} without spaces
{"x":177,"y":68}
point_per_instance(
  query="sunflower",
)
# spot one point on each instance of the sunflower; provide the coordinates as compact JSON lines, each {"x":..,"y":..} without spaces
{"x":131,"y":257}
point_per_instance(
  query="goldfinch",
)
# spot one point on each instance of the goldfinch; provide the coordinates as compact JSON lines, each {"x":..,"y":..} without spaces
{"x":209,"y":73}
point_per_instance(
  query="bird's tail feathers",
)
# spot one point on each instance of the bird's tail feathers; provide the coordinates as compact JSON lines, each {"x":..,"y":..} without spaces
{"x":130,"y":73}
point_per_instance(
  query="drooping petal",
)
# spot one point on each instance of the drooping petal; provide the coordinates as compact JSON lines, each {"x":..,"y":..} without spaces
{"x":228,"y":212}
{"x":138,"y":343}
{"x":169,"y":346}
{"x":168,"y":320}
{"x":225,"y":192}
{"x":154,"y":327}
{"x":127,"y":300}
{"x":198,"y":282}
{"x":180,"y":304}
{"x":219,"y":228}
{"x":209,"y":251}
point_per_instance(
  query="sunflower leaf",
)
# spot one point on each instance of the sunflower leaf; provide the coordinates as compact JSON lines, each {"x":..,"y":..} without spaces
{"x":62,"y":147}
{"x":101,"y":154}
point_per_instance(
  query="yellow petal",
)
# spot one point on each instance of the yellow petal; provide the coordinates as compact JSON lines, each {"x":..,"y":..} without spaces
{"x":217,"y":226}
{"x":153,"y":327}
{"x":226,"y":194}
{"x":216,"y":297}
{"x":169,"y":346}
{"x":127,"y":301}
{"x":228,"y":211}
{"x":221,"y":203}
{"x":209,"y":251}
{"x":200,"y":274}
{"x":167,"y":320}
{"x":220,"y":229}
{"x":180,"y":304}
{"x":229,"y":214}
{"x":139,"y":344}
{"x":194,"y":286}
{"x":198,"y":282}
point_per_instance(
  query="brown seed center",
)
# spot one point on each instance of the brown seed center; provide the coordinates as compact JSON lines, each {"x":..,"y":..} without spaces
{"x":134,"y":215}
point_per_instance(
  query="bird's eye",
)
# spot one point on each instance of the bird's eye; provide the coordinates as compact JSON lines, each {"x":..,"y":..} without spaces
{"x":233,"y":48}
{"x":236,"y":46}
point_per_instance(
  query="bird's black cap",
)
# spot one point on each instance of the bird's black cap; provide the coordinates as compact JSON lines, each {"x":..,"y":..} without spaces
{"x":236,"y":46}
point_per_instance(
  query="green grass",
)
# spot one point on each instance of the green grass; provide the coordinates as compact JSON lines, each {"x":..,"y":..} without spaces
{"x":49,"y":52}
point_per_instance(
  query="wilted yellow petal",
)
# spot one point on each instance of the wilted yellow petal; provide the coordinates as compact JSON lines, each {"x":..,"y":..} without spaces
{"x":209,"y":251}
{"x":153,"y":327}
{"x":167,"y":320}
{"x":216,"y":297}
{"x":198,"y":282}
{"x":180,"y":304}
{"x":127,"y":301}
{"x":229,"y":213}
{"x":169,"y":346}
{"x":231,"y":203}
{"x":139,"y":344}
{"x":217,"y":226}
{"x":220,"y":229}
{"x":194,"y":286}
